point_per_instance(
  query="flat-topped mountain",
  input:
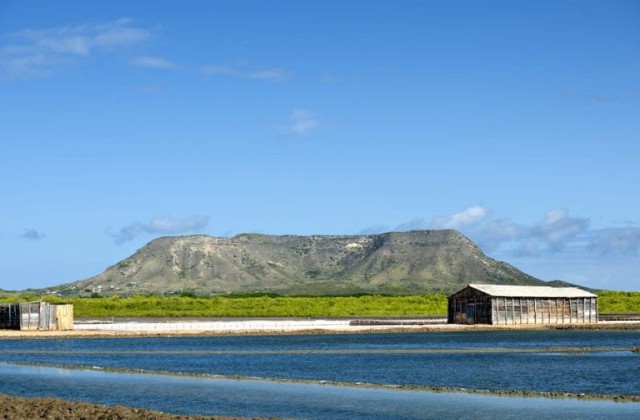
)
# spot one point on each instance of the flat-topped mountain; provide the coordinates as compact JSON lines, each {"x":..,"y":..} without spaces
{"x":407,"y":262}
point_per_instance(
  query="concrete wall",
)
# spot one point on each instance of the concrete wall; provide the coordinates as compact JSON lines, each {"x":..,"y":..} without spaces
{"x":249,"y":325}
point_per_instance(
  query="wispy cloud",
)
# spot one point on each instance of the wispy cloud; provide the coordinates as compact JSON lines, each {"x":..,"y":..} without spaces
{"x":469,"y":216}
{"x":268,"y":74}
{"x":166,"y":225}
{"x":152,"y":62}
{"x":39,"y":52}
{"x":374,"y":229}
{"x":494,"y":232}
{"x":416,"y":223}
{"x":32,"y":234}
{"x":558,"y":228}
{"x":558,"y":246}
{"x":625,"y":240}
{"x":273,"y":74}
{"x":302,"y":122}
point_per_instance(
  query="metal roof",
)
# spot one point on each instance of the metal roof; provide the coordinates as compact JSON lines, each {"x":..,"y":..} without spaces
{"x":531,"y":291}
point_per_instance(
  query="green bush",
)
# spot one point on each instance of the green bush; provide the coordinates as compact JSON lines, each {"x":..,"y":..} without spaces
{"x":260,"y":306}
{"x":611,"y":301}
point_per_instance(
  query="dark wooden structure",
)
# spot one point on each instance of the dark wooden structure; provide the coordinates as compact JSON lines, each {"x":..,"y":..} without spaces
{"x":36,"y":316}
{"x":505,"y":305}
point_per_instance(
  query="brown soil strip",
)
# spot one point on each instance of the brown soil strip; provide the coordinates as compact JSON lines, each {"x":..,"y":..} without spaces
{"x":8,"y":334}
{"x":52,"y":408}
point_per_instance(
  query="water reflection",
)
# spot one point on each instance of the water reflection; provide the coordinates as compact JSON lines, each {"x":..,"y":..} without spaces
{"x":187,"y":395}
{"x":484,"y":360}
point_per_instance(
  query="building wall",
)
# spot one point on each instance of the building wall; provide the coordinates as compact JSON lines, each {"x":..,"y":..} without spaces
{"x":64,"y":317}
{"x":470,"y":306}
{"x":34,"y":316}
{"x":10,"y":316}
{"x":509,"y":310}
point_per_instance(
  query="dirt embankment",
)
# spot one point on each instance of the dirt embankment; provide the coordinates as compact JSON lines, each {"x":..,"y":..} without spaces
{"x":51,"y":408}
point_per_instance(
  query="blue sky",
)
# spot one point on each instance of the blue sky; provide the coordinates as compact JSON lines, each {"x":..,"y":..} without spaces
{"x":515,"y":122}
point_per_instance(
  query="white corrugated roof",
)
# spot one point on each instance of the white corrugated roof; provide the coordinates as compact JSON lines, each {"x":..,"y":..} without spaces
{"x":531,"y":291}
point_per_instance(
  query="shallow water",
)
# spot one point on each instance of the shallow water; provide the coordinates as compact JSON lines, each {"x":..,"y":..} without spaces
{"x":451,"y":359}
{"x":508,"y":360}
{"x":186,"y":395}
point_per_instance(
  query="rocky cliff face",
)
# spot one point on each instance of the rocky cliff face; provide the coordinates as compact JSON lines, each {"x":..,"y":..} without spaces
{"x":408,"y":262}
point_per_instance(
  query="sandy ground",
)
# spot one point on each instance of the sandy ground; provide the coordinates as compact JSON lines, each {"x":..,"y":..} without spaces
{"x":52,"y":408}
{"x":9,"y":334}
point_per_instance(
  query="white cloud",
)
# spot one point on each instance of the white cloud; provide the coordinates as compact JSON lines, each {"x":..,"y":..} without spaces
{"x":302,"y":123}
{"x":553,"y":233}
{"x":38,"y":52}
{"x":558,"y":228}
{"x":269,"y":74}
{"x":470,"y":216}
{"x":153,"y":63}
{"x":559,"y":246}
{"x":493,"y":233}
{"x":274,"y":74}
{"x":161,"y":225}
{"x":301,"y":128}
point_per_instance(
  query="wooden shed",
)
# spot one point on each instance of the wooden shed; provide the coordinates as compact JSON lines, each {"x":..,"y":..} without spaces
{"x":36,"y":316}
{"x":504,"y":305}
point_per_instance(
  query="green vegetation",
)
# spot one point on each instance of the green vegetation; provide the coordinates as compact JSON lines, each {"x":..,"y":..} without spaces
{"x":271,"y":305}
{"x":14,"y":297}
{"x":257,"y":306}
{"x":622,"y":302}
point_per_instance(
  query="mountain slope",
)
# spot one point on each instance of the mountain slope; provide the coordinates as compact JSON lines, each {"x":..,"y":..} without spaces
{"x":408,"y":262}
